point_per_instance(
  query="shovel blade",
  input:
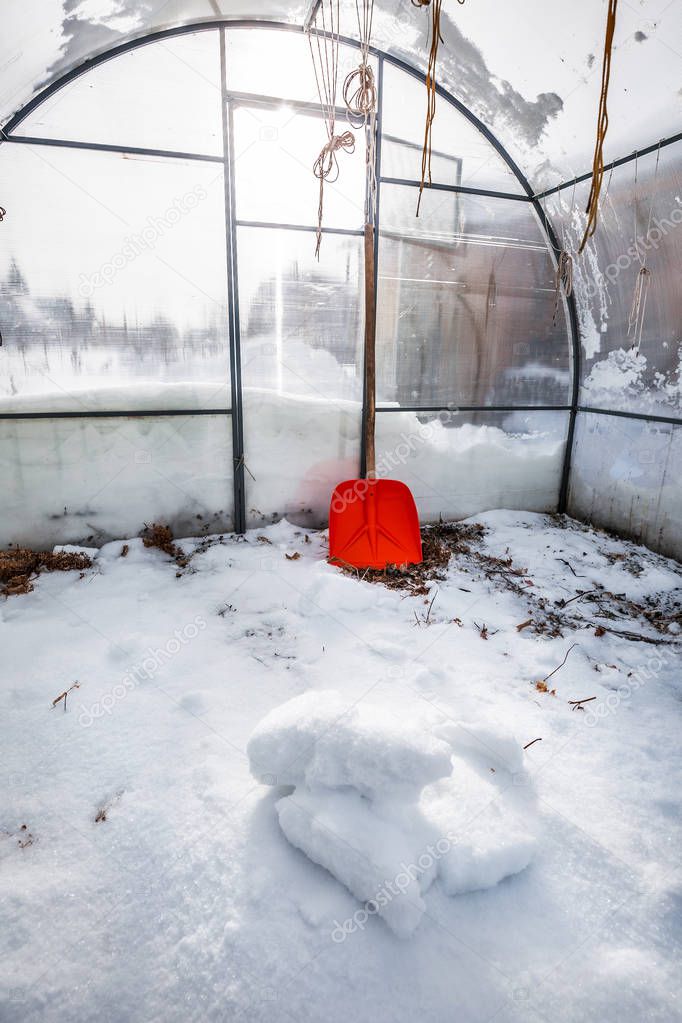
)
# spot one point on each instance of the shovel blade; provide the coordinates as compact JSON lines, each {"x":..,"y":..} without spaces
{"x":374,"y":523}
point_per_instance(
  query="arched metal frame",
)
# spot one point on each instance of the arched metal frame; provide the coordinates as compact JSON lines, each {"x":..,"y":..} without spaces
{"x":227,"y":160}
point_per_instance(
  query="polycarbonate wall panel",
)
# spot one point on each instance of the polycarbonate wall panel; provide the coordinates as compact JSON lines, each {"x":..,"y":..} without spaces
{"x":465,"y":304}
{"x":301,"y":370}
{"x":296,"y":450}
{"x":626,"y":476}
{"x":92,"y":480}
{"x":112,"y":282}
{"x":301,"y":319}
{"x":639,"y":222}
{"x":460,"y":154}
{"x":458,"y":464}
{"x":274,"y":153}
{"x":164,"y":95}
{"x":279,"y":64}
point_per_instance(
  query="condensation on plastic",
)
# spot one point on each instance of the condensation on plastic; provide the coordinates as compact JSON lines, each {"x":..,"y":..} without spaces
{"x":164,"y":95}
{"x":93,"y":480}
{"x":460,"y":154}
{"x":465,"y":304}
{"x":617,"y":372}
{"x":626,"y":477}
{"x":457,"y":464}
{"x":112,"y":283}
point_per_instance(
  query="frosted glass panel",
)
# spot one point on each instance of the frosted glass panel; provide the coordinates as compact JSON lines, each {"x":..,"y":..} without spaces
{"x":301,"y":320}
{"x":274,"y":153}
{"x":466,"y":318}
{"x":164,"y":95}
{"x":617,"y":373}
{"x":112,"y":282}
{"x":626,"y":476}
{"x":460,"y":154}
{"x":458,"y":464}
{"x":93,"y":480}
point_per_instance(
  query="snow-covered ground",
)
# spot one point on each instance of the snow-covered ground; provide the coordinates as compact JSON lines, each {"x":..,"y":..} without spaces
{"x":146,"y":875}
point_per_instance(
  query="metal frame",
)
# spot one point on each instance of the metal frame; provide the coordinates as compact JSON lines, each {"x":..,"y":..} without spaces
{"x":230,"y":100}
{"x":614,"y":163}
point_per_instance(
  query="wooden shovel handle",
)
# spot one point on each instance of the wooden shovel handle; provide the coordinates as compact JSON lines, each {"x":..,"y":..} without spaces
{"x":370,"y":354}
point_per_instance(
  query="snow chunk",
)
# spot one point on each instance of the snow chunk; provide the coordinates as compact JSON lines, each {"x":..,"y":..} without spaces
{"x":340,"y":832}
{"x":315,"y":740}
{"x":487,"y":839}
{"x":495,"y":746}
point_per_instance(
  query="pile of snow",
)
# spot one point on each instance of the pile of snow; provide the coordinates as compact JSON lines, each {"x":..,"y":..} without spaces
{"x":384,"y":805}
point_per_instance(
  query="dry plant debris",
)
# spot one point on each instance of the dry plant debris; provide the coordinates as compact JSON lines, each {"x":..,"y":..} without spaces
{"x":161,"y":537}
{"x":19,"y":567}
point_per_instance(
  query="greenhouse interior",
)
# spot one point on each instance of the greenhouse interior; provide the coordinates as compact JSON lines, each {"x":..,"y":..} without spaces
{"x":341,"y":511}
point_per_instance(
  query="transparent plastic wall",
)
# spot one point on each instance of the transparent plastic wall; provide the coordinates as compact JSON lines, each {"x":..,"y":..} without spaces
{"x":135,"y":240}
{"x":625,"y":365}
{"x":626,"y":476}
{"x":626,"y":472}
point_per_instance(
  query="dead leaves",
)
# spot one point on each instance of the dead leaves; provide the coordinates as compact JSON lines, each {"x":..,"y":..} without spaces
{"x":161,"y":537}
{"x":293,"y":557}
{"x":18,"y":566}
{"x":542,"y":687}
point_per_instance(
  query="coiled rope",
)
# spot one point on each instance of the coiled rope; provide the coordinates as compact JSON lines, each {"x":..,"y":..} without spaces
{"x":360,"y":97}
{"x":435,"y":38}
{"x":359,"y":88}
{"x":592,"y":208}
{"x":325,"y":57}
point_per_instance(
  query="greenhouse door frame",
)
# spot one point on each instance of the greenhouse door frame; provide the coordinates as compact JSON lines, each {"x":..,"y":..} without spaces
{"x":229,"y":101}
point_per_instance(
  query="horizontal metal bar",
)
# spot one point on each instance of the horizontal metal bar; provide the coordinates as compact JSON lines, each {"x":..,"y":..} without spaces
{"x":104,"y":147}
{"x":419,"y":146}
{"x":466,"y":189}
{"x":355,"y":232}
{"x":310,"y":108}
{"x":623,"y":414}
{"x":614,"y":163}
{"x":118,"y":414}
{"x":454,"y":408}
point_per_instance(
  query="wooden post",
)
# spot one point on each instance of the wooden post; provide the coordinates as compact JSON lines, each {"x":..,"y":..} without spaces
{"x":370,"y":354}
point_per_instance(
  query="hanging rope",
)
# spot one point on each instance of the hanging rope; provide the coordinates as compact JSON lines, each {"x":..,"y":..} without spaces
{"x":436,"y":38}
{"x":638,"y":308}
{"x":360,"y":97}
{"x":359,"y":88}
{"x":325,"y":56}
{"x":602,"y":127}
{"x":563,"y":281}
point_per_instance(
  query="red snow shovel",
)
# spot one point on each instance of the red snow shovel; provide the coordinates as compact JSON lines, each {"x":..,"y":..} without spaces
{"x":373,"y":523}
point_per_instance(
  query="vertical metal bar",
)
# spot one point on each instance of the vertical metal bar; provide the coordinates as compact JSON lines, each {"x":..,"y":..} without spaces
{"x":233,"y":299}
{"x":373,"y":213}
